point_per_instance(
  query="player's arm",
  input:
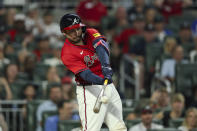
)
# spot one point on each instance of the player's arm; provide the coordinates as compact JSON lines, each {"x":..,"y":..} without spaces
{"x":102,"y":50}
{"x":79,"y":68}
{"x":90,"y":77}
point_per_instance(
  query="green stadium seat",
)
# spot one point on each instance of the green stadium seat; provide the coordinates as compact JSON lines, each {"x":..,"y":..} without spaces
{"x":17,"y":87}
{"x":188,"y":47}
{"x":31,"y":114}
{"x":153,"y":53}
{"x":134,"y":39}
{"x":175,"y":123}
{"x":165,"y":129}
{"x":68,"y":125}
{"x":184,"y":75}
{"x":47,"y":114}
{"x":40,"y":72}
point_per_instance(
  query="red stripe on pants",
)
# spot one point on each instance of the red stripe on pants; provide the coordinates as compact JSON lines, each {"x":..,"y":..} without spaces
{"x":85,"y":109}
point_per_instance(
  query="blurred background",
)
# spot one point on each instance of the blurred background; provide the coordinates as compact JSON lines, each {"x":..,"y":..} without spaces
{"x":153,"y":55}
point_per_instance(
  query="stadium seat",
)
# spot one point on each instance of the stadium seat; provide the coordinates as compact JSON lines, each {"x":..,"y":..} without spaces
{"x":134,"y":39}
{"x":16,"y":88}
{"x":153,"y":53}
{"x":31,"y":114}
{"x":165,"y":129}
{"x":188,"y":47}
{"x":175,"y":123}
{"x":184,"y":75}
{"x":68,"y":125}
{"x":47,"y":114}
{"x":40,"y":72}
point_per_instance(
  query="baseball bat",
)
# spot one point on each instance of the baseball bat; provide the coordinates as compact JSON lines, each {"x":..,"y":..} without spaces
{"x":98,"y":102}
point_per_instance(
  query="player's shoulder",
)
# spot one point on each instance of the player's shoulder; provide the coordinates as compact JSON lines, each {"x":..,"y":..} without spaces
{"x":93,"y":32}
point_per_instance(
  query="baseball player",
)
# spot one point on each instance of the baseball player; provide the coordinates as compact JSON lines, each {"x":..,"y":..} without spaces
{"x":86,"y":54}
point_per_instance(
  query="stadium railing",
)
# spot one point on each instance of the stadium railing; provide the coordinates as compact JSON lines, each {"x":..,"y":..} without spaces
{"x":126,"y":76}
{"x":13,"y":111}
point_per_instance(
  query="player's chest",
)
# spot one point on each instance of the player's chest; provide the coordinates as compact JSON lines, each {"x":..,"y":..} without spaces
{"x":89,"y":57}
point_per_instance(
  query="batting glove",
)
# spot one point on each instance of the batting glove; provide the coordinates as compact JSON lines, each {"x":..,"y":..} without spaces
{"x":107,"y":72}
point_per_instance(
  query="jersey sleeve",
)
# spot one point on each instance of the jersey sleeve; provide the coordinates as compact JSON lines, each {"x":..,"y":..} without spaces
{"x":74,"y":64}
{"x":94,"y":35}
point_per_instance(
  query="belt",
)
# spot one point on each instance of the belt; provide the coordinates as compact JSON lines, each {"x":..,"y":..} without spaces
{"x":88,"y":84}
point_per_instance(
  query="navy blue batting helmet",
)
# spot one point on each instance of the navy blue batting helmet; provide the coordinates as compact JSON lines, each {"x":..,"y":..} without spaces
{"x":70,"y":21}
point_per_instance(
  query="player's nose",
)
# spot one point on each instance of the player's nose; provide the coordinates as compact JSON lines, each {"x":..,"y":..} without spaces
{"x":77,"y":32}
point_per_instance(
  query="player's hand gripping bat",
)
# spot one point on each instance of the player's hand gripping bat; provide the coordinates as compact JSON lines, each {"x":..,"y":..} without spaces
{"x":101,"y":98}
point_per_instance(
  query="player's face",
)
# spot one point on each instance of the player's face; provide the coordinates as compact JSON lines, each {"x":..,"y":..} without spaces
{"x":74,"y":35}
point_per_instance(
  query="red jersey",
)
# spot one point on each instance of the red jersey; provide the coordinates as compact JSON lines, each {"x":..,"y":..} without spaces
{"x":90,"y":11}
{"x":78,"y":58}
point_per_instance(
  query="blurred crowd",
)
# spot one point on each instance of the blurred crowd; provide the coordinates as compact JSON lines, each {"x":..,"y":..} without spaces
{"x":31,"y":68}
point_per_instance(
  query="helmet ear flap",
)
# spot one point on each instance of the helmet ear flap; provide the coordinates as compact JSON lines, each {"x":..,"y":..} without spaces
{"x":83,"y":29}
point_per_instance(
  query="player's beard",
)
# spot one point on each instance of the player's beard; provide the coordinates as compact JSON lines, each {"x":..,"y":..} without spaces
{"x":78,"y":39}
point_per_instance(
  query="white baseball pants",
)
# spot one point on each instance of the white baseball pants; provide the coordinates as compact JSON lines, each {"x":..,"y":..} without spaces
{"x":110,"y":113}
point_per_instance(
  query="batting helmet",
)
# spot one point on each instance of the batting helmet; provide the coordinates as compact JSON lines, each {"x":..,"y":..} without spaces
{"x":71,"y":21}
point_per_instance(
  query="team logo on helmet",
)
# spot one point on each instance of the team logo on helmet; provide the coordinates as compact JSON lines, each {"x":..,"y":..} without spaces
{"x":76,"y":21}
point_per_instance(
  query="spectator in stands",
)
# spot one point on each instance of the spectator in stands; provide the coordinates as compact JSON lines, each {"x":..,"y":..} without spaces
{"x":55,"y":95}
{"x":136,"y":113}
{"x":52,"y":75}
{"x":113,"y":25}
{"x":177,"y":111}
{"x":3,"y":35}
{"x":47,"y":27}
{"x":18,"y":32}
{"x":91,"y":12}
{"x":185,"y":34}
{"x":29,"y":66}
{"x":137,"y":51}
{"x":172,"y":7}
{"x":11,"y":73}
{"x":9,"y":51}
{"x":65,"y":108}
{"x":121,"y":17}
{"x":32,"y":20}
{"x":161,"y":31}
{"x":146,"y":116}
{"x":169,"y":45}
{"x":22,"y":54}
{"x":5,"y":91}
{"x":190,"y":121}
{"x":160,"y":99}
{"x":67,"y":88}
{"x":3,"y":124}
{"x":55,"y":59}
{"x":193,"y":54}
{"x":3,"y":60}
{"x":150,"y":15}
{"x":29,"y":94}
{"x":11,"y":12}
{"x":168,"y":66}
{"x":139,"y":7}
{"x":137,"y":29}
{"x":43,"y":47}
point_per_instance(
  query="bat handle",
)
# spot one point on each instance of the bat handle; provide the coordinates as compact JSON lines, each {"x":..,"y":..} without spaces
{"x":106,"y":82}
